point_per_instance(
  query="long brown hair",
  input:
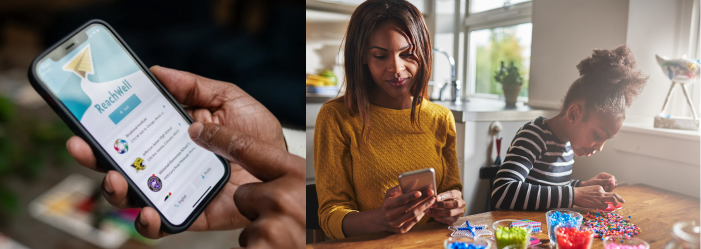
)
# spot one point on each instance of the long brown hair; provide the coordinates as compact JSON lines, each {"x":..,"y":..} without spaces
{"x":358,"y":79}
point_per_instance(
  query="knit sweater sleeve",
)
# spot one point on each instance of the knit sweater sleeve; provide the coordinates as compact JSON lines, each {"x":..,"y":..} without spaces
{"x":451,"y":177}
{"x":333,"y":173}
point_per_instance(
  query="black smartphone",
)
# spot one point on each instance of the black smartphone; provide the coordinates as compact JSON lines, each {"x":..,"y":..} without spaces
{"x":108,"y":97}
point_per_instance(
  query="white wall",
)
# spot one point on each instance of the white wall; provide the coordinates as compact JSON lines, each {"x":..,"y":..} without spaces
{"x":564,"y":33}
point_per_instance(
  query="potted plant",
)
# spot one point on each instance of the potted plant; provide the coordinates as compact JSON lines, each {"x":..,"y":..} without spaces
{"x":511,"y":82}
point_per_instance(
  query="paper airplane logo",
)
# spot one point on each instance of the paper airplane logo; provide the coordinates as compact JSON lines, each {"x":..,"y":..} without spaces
{"x":81,"y":64}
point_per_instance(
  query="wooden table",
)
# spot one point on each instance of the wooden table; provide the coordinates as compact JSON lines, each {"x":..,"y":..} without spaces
{"x":652,"y":209}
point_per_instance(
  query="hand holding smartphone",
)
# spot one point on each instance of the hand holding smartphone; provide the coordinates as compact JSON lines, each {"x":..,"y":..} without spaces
{"x":105,"y":94}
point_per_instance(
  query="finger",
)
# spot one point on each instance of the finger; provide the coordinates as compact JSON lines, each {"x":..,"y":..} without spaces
{"x":402,"y":199}
{"x":449,"y":204}
{"x":262,"y":160}
{"x":448,"y":195}
{"x":619,"y":198}
{"x":268,"y":230}
{"x":115,"y":188}
{"x":613,"y":198}
{"x":148,"y":224}
{"x":604,"y":175}
{"x":599,"y":204}
{"x":81,"y":151}
{"x":284,"y":195}
{"x":600,"y":182}
{"x":439,"y":212}
{"x":202,"y":115}
{"x":393,"y":192}
{"x":401,"y":209}
{"x":194,"y":90}
{"x":414,"y":214}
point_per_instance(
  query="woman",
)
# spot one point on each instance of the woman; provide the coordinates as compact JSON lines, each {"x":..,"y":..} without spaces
{"x":383,"y":126}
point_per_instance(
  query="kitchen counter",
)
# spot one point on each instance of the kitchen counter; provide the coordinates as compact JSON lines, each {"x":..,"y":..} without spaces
{"x":476,"y":109}
{"x":481,"y":109}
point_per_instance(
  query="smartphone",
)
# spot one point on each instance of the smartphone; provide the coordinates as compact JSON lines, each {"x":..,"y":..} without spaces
{"x":418,"y":180}
{"x":109,"y":98}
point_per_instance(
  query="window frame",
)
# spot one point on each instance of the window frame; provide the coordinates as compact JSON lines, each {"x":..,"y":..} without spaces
{"x":506,"y":16}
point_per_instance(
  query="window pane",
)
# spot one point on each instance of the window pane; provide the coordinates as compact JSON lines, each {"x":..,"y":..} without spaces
{"x":418,"y":3}
{"x":483,"y":5}
{"x":489,"y":47}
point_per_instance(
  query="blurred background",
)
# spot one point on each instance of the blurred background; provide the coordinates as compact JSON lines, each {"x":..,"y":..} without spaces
{"x":254,"y":44}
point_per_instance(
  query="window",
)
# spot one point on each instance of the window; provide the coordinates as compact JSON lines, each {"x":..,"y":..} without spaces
{"x":497,"y":31}
{"x":418,"y":3}
{"x":477,"y":6}
{"x":490,"y":48}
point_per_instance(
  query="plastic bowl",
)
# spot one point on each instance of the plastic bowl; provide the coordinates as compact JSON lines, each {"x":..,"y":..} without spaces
{"x":551,"y":231}
{"x":579,"y":242}
{"x":501,"y":242}
{"x":618,"y":240}
{"x":477,"y":241}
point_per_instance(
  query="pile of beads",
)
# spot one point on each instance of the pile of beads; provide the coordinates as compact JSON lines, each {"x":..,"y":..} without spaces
{"x":469,"y":231}
{"x":464,"y":245}
{"x":535,"y":225}
{"x":613,"y":246}
{"x":607,"y":224}
{"x":573,"y":238}
{"x":512,"y":235}
{"x":560,"y":218}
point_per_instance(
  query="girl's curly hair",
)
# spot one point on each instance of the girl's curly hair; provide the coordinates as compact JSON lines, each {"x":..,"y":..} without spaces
{"x":608,"y":82}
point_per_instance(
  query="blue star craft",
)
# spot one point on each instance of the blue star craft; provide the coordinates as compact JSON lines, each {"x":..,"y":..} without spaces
{"x":470,"y":231}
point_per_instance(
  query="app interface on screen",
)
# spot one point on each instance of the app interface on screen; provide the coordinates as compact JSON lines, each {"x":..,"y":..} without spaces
{"x":102,"y":86}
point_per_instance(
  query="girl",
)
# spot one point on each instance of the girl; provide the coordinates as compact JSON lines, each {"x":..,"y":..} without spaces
{"x":383,"y":126}
{"x":536,"y":173}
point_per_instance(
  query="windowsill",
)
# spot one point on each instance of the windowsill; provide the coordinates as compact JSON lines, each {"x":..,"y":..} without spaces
{"x":642,"y":139}
{"x":648,"y":129}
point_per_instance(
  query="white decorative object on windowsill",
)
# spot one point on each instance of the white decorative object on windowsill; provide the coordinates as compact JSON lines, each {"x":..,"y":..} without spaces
{"x":681,"y":71}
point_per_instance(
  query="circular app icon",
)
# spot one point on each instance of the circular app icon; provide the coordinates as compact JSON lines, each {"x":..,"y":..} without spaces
{"x":121,"y":146}
{"x":154,"y":183}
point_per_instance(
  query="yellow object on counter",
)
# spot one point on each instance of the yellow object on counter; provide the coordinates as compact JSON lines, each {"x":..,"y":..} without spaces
{"x":353,"y":177}
{"x":316,"y":80}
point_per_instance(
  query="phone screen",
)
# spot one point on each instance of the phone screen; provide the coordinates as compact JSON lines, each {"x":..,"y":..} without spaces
{"x":116,"y":102}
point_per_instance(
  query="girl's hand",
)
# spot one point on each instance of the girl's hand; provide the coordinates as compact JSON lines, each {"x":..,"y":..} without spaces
{"x":595,"y":197}
{"x":603,"y":179}
{"x":448,"y":208}
{"x":400,"y":212}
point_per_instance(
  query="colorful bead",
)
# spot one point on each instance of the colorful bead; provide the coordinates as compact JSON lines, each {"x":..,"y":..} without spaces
{"x":464,"y":245}
{"x":610,"y":224}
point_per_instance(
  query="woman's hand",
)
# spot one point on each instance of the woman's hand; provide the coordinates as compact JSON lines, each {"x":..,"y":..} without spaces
{"x":400,"y":212}
{"x":595,"y":197}
{"x":603,"y":179}
{"x":448,"y":208}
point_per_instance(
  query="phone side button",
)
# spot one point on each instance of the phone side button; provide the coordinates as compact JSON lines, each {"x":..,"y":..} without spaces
{"x":49,"y":99}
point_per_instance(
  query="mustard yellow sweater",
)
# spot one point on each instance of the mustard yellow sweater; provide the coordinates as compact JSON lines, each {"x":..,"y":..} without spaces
{"x":351,"y":177}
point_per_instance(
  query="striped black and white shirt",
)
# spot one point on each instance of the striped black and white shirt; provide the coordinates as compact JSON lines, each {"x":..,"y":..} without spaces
{"x":537,"y":171}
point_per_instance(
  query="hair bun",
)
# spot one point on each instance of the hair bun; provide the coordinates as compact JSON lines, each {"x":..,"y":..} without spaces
{"x":608,"y":64}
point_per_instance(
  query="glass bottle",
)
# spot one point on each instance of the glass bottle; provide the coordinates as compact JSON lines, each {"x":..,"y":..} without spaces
{"x":685,"y":235}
